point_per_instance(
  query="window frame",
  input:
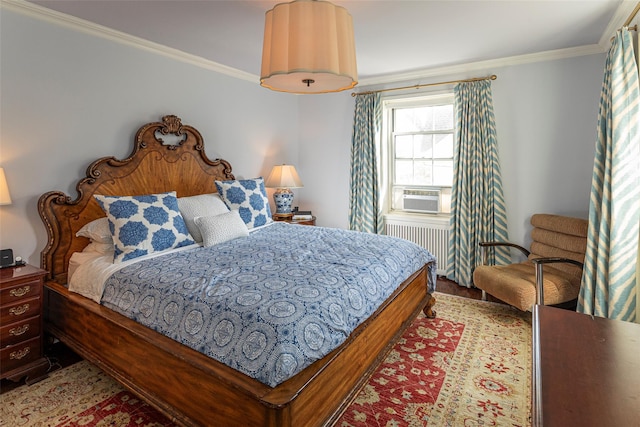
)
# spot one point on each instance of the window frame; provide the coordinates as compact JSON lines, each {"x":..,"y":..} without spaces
{"x":390,"y":103}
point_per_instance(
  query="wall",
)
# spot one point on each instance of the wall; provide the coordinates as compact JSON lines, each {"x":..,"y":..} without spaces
{"x":326,"y":123}
{"x":68,"y":98}
{"x":546,"y":116}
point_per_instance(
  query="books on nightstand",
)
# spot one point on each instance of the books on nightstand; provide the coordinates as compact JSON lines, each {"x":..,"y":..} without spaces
{"x":302,"y":215}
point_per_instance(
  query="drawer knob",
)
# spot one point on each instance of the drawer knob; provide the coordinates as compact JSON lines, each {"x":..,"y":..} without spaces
{"x":19,"y":330}
{"x":19,"y":354}
{"x":20,"y":292}
{"x":19,"y":310}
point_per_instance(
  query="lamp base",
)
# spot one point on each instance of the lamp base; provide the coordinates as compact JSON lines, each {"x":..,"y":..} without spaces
{"x":283,"y":197}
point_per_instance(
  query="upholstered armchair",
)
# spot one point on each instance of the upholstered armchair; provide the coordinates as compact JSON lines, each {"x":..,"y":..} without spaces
{"x":552,"y":272}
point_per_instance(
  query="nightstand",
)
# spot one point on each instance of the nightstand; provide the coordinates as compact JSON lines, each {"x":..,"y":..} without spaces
{"x":21,"y":328}
{"x":311,"y":221}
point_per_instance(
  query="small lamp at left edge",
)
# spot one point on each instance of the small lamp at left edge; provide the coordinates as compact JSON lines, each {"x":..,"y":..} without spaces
{"x":5,"y":196}
{"x":6,"y":255}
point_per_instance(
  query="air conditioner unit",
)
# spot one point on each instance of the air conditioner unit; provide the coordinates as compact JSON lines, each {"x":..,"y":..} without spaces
{"x":424,"y":201}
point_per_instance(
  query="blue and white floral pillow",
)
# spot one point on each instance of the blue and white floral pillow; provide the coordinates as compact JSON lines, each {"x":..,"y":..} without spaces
{"x":141,"y":225}
{"x":249,"y":198}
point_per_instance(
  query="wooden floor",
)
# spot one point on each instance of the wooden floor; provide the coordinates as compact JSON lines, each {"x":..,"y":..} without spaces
{"x":447,"y":286}
{"x":61,"y":356}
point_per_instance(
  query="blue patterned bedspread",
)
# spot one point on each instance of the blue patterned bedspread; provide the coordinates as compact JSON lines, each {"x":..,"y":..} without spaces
{"x":270,"y":304}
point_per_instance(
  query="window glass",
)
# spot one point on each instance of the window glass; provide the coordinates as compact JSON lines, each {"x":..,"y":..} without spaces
{"x":443,"y":145}
{"x":422,"y":172}
{"x":443,"y":172}
{"x":413,"y":119}
{"x":404,"y":172}
{"x":404,"y":147}
{"x":423,"y":146}
{"x":443,"y":117}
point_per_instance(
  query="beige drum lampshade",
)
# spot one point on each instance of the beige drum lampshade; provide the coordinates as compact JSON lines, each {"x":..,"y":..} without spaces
{"x":308,"y":48}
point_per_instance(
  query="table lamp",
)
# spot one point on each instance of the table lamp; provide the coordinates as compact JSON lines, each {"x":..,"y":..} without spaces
{"x":6,"y":255}
{"x":5,"y":197}
{"x":283,"y":178}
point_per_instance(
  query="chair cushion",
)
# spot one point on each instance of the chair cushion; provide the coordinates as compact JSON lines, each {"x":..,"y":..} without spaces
{"x":561,"y":224}
{"x":515,"y":284}
{"x":562,"y":241}
{"x":559,"y":236}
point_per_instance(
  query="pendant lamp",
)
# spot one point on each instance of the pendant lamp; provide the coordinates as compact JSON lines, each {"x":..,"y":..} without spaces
{"x":308,"y":48}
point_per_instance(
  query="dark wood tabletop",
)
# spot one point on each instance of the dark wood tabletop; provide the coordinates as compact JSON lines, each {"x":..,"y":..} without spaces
{"x":586,"y":370}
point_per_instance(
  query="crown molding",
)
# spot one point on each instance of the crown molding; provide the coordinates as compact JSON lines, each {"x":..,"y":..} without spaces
{"x":81,"y":25}
{"x":623,"y":12}
{"x":550,"y":55}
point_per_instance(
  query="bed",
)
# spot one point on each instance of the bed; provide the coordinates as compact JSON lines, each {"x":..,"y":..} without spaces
{"x":185,"y":384}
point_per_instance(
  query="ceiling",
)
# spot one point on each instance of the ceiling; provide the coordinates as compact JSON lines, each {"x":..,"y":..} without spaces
{"x":392,"y":37}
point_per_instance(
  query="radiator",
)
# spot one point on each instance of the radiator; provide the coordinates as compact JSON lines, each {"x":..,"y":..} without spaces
{"x":433,"y":236}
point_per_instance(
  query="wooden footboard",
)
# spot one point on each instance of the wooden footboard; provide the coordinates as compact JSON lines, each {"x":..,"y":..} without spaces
{"x":192,"y":389}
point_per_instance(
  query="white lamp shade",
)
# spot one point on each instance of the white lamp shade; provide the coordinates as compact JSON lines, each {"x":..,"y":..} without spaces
{"x":5,"y":197}
{"x":283,"y":176}
{"x":308,"y":48}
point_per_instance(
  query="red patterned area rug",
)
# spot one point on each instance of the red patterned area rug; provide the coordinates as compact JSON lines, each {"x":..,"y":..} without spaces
{"x":79,"y":395}
{"x":471,"y":366}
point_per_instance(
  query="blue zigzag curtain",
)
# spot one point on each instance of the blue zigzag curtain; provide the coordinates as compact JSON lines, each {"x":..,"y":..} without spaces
{"x":364,"y":209}
{"x":477,"y":202}
{"x":609,"y":283}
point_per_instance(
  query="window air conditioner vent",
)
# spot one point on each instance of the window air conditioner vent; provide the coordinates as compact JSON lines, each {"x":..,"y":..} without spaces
{"x":423,"y":201}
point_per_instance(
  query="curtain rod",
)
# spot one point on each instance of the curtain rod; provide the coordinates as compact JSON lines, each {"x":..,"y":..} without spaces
{"x":634,"y":28}
{"x":629,"y":19}
{"x":477,"y":79}
{"x":633,"y":15}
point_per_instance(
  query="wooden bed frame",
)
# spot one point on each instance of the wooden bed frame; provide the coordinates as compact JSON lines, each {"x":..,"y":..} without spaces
{"x":187,"y":386}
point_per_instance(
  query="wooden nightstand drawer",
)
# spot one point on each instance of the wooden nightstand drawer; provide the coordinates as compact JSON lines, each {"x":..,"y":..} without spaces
{"x":21,"y":291}
{"x":18,"y":355}
{"x":19,"y":310}
{"x":20,"y":331}
{"x":21,"y":328}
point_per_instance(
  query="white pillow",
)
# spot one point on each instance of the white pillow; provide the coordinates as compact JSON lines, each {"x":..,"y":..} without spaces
{"x":97,"y":230}
{"x":101,"y":248}
{"x":200,"y":205}
{"x":221,"y":228}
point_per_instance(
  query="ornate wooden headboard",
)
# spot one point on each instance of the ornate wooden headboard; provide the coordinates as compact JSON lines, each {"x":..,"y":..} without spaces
{"x":154,"y":166}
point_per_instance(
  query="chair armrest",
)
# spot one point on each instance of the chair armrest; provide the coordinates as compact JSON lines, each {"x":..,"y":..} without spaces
{"x":539,"y":262}
{"x":484,"y":245}
{"x":551,"y":260}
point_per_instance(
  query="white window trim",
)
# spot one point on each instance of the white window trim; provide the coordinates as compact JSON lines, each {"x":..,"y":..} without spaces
{"x":388,"y":103}
{"x":411,"y":217}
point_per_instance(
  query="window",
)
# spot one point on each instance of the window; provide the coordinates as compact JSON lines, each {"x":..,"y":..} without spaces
{"x":419,"y":134}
